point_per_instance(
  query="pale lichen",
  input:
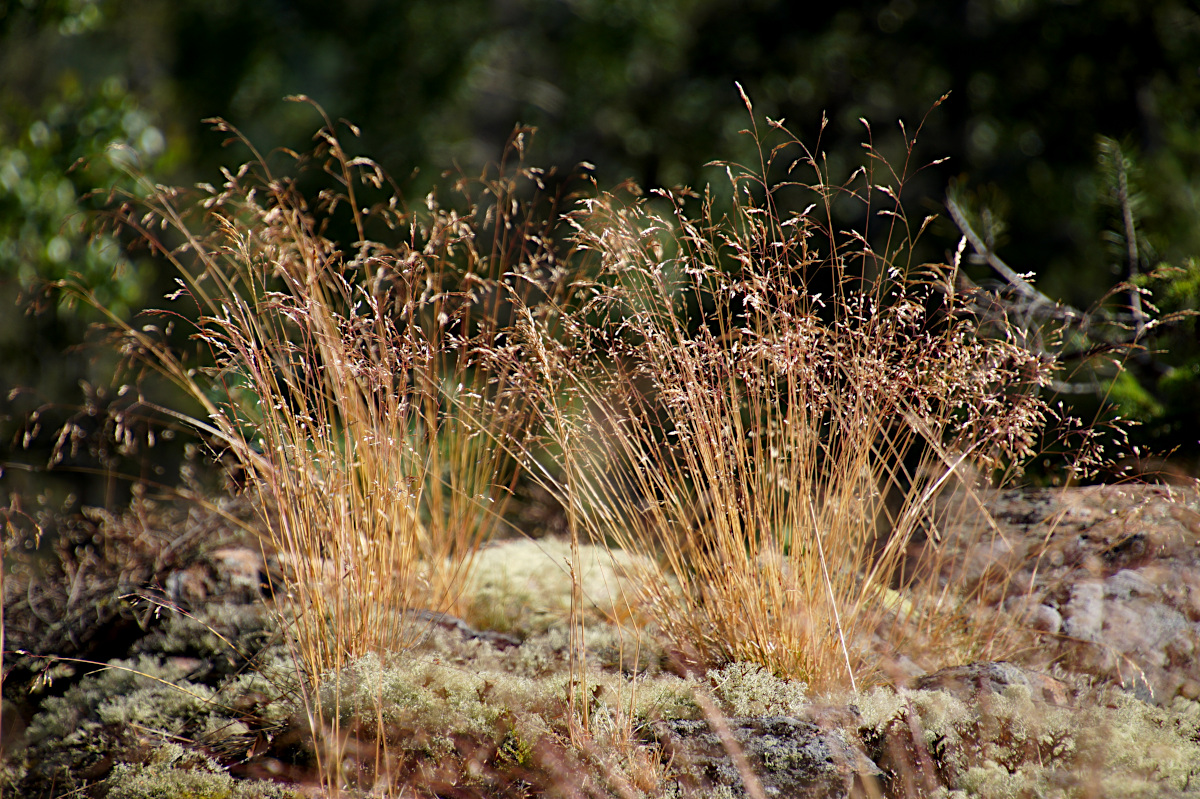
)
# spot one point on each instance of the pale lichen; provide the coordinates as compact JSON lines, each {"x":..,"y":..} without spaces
{"x":172,"y":772}
{"x":747,"y":689}
{"x":1007,"y":744}
{"x":525,"y":584}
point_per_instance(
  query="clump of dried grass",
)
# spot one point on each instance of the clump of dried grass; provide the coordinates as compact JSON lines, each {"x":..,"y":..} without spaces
{"x":343,"y":379}
{"x":767,"y":405}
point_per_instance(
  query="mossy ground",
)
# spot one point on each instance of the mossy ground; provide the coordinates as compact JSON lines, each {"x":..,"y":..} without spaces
{"x":209,"y":704}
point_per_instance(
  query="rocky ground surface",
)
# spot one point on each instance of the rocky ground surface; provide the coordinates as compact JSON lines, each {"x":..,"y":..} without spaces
{"x":1098,"y":696}
{"x":1107,"y":577}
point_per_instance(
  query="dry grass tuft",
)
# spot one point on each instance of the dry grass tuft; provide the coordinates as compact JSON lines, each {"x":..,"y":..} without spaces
{"x":344,"y":380}
{"x":767,"y":405}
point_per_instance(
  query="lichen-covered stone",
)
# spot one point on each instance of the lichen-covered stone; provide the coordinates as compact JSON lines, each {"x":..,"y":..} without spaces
{"x":1009,"y":742}
{"x":786,"y":756}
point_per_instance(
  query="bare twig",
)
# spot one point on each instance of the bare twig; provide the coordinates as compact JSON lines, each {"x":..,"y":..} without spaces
{"x":1021,"y":285}
{"x":1133,"y":259}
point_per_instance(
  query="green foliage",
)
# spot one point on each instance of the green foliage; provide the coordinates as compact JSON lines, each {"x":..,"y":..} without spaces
{"x":1157,"y":386}
{"x":1176,"y":349}
{"x":644,"y":90}
{"x":66,"y":131}
{"x":639,"y":89}
{"x":1131,"y":400}
{"x":1134,"y":353}
{"x":51,"y":157}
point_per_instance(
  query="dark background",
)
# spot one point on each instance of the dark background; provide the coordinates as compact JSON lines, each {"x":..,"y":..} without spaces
{"x":642,"y":89}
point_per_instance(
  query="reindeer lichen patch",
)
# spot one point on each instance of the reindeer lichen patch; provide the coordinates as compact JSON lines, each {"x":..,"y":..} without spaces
{"x":747,"y":689}
{"x":1005,"y":744}
{"x":173,"y":772}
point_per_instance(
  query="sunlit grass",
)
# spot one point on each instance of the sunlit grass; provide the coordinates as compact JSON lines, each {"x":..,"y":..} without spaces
{"x":767,"y":406}
{"x":760,"y":406}
{"x":343,"y":379}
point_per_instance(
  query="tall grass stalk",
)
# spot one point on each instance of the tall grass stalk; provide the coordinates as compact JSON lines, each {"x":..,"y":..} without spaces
{"x":767,"y":404}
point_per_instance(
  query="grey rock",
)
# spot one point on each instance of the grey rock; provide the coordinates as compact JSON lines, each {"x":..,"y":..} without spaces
{"x":1046,"y":619}
{"x":1144,"y":628}
{"x":1129,"y":583}
{"x":1136,"y":684}
{"x":974,"y":680}
{"x":1084,"y":618}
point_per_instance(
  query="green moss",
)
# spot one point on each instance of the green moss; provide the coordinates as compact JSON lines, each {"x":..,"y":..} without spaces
{"x":156,"y":705}
{"x":1142,"y":743}
{"x":11,"y":776}
{"x":271,"y":686}
{"x":879,"y":706}
{"x":666,"y":697}
{"x":113,"y":713}
{"x":144,"y":691}
{"x":212,"y":631}
{"x":515,"y":751}
{"x":453,"y":695}
{"x":410,"y":694}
